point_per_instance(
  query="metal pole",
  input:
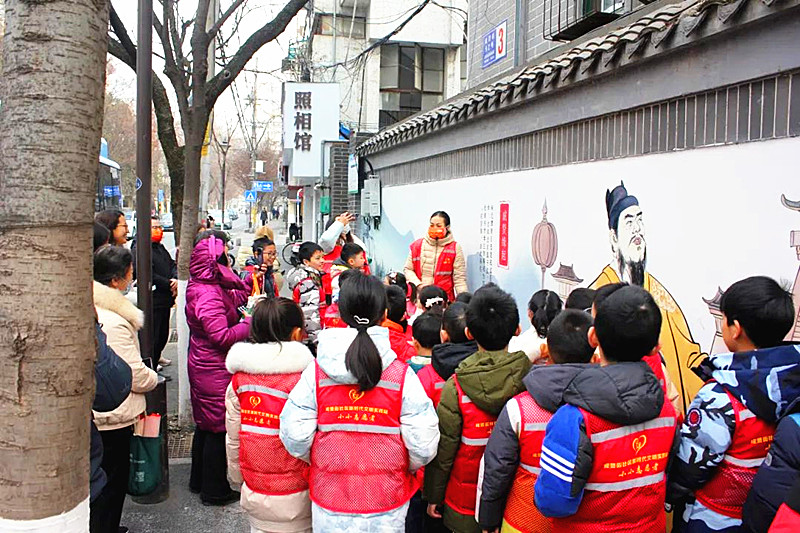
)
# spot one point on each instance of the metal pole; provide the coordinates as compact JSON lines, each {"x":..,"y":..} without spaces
{"x":224,"y":160}
{"x":144,"y":92}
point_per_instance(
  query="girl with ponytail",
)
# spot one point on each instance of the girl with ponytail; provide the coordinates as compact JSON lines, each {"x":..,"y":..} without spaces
{"x":344,"y":418}
{"x":543,"y":307}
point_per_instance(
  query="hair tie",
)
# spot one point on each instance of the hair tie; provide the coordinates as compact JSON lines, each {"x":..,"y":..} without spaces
{"x":430,"y":302}
{"x":361,"y":321}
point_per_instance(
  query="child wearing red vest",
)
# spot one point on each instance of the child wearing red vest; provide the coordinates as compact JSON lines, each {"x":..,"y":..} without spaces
{"x":362,"y":420}
{"x":511,"y":460}
{"x":471,"y":401}
{"x":446,"y":357}
{"x":605,"y":451}
{"x":730,"y":424}
{"x":306,"y":281}
{"x":273,"y":484}
{"x":425,"y":336}
{"x":395,"y":322}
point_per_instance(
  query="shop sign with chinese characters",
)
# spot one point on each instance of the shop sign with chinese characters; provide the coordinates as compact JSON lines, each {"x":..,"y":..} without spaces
{"x":310,"y":117}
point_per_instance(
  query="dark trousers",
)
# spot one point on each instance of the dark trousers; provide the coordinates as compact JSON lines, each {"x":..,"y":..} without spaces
{"x":106,"y":509}
{"x":417,"y":519}
{"x":209,"y":474}
{"x":160,"y":331}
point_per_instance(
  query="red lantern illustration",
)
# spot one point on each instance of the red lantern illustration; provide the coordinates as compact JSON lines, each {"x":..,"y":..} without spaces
{"x":544,"y":243}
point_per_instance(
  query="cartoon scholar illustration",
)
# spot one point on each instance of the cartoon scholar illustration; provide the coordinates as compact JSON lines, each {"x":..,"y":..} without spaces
{"x":629,"y":250}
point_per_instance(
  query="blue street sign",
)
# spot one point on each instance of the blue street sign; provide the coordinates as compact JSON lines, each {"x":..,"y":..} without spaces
{"x":160,"y":195}
{"x":495,"y":46}
{"x":108,"y":191}
{"x":251,"y":196}
{"x":262,"y":186}
{"x":138,"y":184}
{"x":115,"y":191}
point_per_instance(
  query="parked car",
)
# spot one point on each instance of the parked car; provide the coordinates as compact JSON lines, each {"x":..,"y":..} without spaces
{"x":217,"y":215}
{"x":166,"y":222}
{"x":232,"y":214}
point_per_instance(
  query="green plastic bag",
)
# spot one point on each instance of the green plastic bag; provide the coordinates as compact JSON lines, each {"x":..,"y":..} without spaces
{"x":145,"y":470}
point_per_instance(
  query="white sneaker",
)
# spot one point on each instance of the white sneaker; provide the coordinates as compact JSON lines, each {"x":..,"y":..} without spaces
{"x":164,"y":361}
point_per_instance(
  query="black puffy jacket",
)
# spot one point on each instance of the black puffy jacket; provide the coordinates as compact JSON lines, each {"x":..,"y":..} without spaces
{"x":775,"y":477}
{"x":112,"y":377}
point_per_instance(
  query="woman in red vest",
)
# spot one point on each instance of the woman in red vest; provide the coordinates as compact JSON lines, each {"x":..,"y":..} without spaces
{"x":437,"y":259}
{"x":273,"y":484}
{"x":344,"y":418}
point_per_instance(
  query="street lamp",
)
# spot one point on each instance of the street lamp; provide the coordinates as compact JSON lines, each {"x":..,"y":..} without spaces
{"x":223,"y":146}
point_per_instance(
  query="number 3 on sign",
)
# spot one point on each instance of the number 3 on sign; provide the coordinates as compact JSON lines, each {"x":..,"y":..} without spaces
{"x":500,"y":40}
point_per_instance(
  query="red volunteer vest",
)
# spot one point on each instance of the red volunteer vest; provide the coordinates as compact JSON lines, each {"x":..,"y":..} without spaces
{"x":335,"y":254}
{"x":726,"y":492}
{"x":258,"y":288}
{"x":443,"y":273}
{"x":462,"y":487}
{"x":267,"y":467}
{"x":627,"y":487}
{"x":521,"y":513}
{"x":432,"y":382}
{"x":359,"y":463}
{"x":654,"y":362}
{"x":323,"y":305}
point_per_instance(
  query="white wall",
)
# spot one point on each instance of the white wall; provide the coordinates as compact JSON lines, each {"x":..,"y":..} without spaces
{"x":434,"y":25}
{"x":712,"y":216}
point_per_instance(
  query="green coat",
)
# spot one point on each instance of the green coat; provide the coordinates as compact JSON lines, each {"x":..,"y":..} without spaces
{"x":490,"y":379}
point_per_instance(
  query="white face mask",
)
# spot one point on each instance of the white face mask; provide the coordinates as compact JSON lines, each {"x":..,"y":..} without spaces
{"x":126,"y":290}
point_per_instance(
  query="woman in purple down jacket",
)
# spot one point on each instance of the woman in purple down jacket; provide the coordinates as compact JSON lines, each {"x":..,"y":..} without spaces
{"x":213,"y":295}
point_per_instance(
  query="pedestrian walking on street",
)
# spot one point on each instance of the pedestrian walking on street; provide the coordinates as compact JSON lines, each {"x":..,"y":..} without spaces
{"x":362,"y":461}
{"x":165,"y":289}
{"x":274,"y":484}
{"x":264,"y":216}
{"x":120,"y":320}
{"x":114,"y":220}
{"x":213,"y":296}
{"x":437,"y":259}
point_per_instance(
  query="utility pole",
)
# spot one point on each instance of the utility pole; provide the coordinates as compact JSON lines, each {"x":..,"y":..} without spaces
{"x":253,"y":147}
{"x":223,"y":146}
{"x":144,"y":138}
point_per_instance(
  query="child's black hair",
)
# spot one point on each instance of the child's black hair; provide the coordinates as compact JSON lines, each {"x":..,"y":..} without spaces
{"x":350,"y":250}
{"x":396,"y":305}
{"x":627,"y":323}
{"x":399,"y":279}
{"x":763,"y":308}
{"x":568,"y":337}
{"x":274,"y":320}
{"x":463,"y":297}
{"x":426,"y":329}
{"x":431,"y":296}
{"x":362,"y":304}
{"x":580,"y":299}
{"x":307,"y":249}
{"x":111,"y":262}
{"x":545,"y":306}
{"x":492,"y":317}
{"x":454,"y":321}
{"x":601,"y":293}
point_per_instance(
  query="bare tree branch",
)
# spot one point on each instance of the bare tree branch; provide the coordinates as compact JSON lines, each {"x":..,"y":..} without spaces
{"x":268,"y":32}
{"x":224,"y":18}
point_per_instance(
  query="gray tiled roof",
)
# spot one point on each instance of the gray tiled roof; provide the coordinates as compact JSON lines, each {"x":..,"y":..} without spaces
{"x":649,"y":35}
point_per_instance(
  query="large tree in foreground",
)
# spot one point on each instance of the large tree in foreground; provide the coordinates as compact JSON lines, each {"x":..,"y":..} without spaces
{"x":52,"y":106}
{"x":185,"y":46}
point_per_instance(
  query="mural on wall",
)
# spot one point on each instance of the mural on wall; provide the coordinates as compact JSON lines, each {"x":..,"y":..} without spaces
{"x":712,"y":218}
{"x":794,"y":241}
{"x":626,"y":232}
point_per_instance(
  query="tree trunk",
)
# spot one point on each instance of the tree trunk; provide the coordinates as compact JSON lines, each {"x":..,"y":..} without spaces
{"x":52,"y":108}
{"x":195,"y":134}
